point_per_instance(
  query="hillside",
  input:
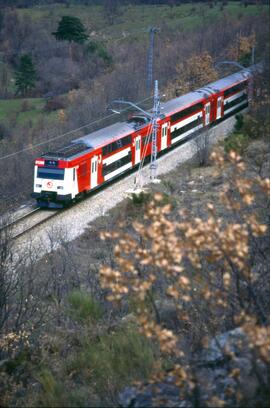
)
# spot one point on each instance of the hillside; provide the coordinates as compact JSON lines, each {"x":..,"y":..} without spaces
{"x":91,"y":348}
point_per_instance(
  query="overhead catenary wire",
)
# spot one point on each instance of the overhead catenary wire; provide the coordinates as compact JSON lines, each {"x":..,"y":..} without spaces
{"x":32,"y":147}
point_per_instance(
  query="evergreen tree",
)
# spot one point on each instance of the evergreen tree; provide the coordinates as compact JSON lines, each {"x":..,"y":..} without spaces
{"x":71,"y":29}
{"x":25,"y":75}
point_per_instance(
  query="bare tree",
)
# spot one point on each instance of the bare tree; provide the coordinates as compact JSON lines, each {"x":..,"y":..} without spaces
{"x":201,"y":143}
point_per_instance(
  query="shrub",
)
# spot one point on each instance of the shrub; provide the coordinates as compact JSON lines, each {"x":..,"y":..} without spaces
{"x":237,"y":142}
{"x":239,"y":139}
{"x":54,"y":104}
{"x":98,"y":49}
{"x":52,"y":394}
{"x":239,"y":122}
{"x":116,"y":359}
{"x":141,"y":198}
{"x":26,"y":106}
{"x":84,"y":307}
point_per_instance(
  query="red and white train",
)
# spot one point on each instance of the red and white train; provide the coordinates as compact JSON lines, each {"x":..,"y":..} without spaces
{"x":90,"y":161}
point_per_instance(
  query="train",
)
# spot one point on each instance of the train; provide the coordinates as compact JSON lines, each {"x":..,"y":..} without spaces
{"x":88,"y":162}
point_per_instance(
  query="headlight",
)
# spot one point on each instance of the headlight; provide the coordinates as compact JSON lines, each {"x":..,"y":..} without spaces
{"x":39,"y":185}
{"x":60,"y":188}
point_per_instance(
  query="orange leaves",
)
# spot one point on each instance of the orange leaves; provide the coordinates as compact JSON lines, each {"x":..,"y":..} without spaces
{"x":256,"y":228}
{"x":259,"y":337}
{"x":265,"y":185}
{"x":195,"y":72}
{"x":192,"y":260}
{"x":167,"y":340}
{"x":242,"y":46}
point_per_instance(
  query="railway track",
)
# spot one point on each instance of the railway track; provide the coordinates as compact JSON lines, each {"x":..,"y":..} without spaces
{"x":27,"y":222}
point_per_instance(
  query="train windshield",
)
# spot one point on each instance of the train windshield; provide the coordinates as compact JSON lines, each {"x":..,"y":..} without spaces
{"x":46,"y":173}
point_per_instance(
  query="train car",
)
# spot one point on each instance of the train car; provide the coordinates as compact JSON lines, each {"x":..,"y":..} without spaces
{"x":63,"y":176}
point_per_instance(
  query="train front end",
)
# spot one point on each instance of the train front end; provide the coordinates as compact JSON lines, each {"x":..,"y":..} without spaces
{"x":52,"y":183}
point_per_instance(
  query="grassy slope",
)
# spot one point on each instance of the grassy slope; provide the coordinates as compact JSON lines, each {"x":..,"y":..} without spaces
{"x":12,"y":108}
{"x":131,"y":19}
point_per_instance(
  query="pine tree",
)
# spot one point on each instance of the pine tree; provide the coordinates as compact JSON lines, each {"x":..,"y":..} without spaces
{"x":71,"y":29}
{"x":25,"y":75}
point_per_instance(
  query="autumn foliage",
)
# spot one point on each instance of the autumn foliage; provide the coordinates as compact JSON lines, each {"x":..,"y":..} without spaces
{"x":203,"y":266}
{"x":195,"y":72}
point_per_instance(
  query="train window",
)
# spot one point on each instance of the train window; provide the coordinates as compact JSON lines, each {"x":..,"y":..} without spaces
{"x":192,"y":109}
{"x":235,"y":102}
{"x":116,"y":165}
{"x":118,"y":144}
{"x":236,"y":88}
{"x":48,"y":173}
{"x":126,"y":140}
{"x":73,"y":174}
{"x":186,"y":128}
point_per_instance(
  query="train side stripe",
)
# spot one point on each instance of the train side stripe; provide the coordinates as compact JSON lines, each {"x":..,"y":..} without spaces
{"x":232,"y":98}
{"x":118,"y":171}
{"x":176,"y":139}
{"x":235,"y":107}
{"x":186,"y":121}
{"x":116,"y":156}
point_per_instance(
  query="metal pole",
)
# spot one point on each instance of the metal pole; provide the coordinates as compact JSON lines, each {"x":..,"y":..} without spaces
{"x":156,"y":112}
{"x":150,"y":59}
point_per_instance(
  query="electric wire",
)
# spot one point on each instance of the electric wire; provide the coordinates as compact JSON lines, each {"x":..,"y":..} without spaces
{"x":32,"y":147}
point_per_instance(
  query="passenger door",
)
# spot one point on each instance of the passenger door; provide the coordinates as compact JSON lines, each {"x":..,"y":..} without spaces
{"x":164,"y":136}
{"x":219,"y":106}
{"x":137,"y":143}
{"x":94,"y":170}
{"x":207,"y":110}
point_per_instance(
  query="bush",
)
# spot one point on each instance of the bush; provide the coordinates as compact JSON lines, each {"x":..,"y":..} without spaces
{"x":84,"y":307}
{"x":116,"y":359}
{"x":141,"y":198}
{"x":239,"y":122}
{"x":237,"y":142}
{"x":26,"y":106}
{"x":98,"y":49}
{"x":239,"y":139}
{"x":54,"y":104}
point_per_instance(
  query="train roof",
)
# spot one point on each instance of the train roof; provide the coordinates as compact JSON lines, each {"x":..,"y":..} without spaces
{"x":66,"y":152}
{"x":98,"y":138}
{"x":226,"y":82}
{"x":176,"y":104}
{"x":101,"y":136}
